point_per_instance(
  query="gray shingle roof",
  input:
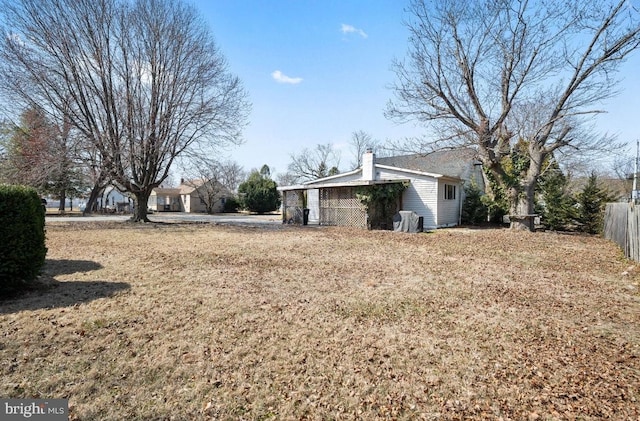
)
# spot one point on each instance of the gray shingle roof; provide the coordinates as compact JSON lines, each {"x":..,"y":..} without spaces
{"x":452,"y":163}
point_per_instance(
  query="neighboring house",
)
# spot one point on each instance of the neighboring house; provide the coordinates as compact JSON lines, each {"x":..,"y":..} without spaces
{"x":435,"y":189}
{"x":114,"y":200}
{"x":192,"y":196}
{"x":164,"y":200}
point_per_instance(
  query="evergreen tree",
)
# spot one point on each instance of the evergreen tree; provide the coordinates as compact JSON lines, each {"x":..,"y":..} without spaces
{"x":42,"y":155}
{"x":591,"y":203}
{"x":259,"y":193}
{"x":556,"y":206}
{"x":474,"y":210}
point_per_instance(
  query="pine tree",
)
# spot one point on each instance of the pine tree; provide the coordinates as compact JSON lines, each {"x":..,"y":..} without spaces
{"x":591,"y":203}
{"x":474,"y":210}
{"x":556,"y":205}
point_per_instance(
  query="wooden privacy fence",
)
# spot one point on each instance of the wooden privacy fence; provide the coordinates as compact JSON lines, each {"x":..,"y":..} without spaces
{"x":621,"y":224}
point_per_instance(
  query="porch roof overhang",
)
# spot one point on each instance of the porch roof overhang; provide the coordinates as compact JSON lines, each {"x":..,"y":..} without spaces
{"x":352,"y":183}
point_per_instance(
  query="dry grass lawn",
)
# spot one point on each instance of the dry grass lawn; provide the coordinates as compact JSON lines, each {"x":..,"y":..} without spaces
{"x":203,"y":321}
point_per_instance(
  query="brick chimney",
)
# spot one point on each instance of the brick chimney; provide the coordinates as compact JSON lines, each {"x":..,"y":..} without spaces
{"x":368,"y":165}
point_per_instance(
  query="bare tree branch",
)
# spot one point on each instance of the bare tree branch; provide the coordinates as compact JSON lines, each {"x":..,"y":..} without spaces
{"x":142,"y":81}
{"x":488,"y":73}
{"x":320,"y":162}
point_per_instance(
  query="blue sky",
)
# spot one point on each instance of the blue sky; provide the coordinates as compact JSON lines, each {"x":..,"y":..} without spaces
{"x":318,"y":70}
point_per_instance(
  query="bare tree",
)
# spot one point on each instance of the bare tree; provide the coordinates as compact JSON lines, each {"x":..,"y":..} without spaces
{"x":213,"y":180}
{"x":231,"y":175}
{"x":286,"y":179}
{"x":65,"y":174}
{"x":52,"y":158}
{"x":623,"y":169}
{"x":141,"y":80}
{"x":322,"y":161}
{"x":360,"y":142}
{"x":475,"y":66}
{"x":209,"y":191}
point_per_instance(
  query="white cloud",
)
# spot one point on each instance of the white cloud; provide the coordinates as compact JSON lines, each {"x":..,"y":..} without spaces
{"x":350,"y":29}
{"x":280,"y":77}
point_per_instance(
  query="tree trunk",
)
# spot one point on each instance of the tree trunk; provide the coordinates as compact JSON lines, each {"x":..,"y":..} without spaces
{"x":63,"y":199}
{"x":522,"y":203}
{"x":92,"y":202}
{"x":522,"y":206}
{"x":140,"y":206}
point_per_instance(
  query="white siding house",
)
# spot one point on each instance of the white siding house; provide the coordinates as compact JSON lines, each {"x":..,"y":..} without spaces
{"x":433,"y":194}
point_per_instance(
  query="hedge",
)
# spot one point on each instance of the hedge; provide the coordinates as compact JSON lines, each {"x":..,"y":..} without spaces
{"x":22,"y":234}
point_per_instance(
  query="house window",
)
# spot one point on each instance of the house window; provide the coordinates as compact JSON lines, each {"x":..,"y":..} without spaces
{"x":449,"y":192}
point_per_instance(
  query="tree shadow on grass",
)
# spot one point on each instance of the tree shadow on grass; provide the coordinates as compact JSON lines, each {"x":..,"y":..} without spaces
{"x":55,"y":267}
{"x":46,"y":292}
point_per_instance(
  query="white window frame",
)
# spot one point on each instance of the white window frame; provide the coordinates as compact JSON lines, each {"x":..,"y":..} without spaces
{"x":450,"y":192}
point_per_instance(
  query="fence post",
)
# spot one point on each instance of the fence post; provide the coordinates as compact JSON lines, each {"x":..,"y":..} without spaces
{"x":633,"y":239}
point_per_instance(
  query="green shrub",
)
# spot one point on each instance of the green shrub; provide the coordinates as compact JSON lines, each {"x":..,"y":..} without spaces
{"x":382,"y":202}
{"x":259,"y":193}
{"x":22,"y":248}
{"x":474,"y":210}
{"x":231,"y":204}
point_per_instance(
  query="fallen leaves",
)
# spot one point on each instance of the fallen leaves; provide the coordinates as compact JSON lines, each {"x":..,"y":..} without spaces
{"x":221,"y":322}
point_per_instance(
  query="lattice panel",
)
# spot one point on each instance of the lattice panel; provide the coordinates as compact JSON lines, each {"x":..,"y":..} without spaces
{"x":292,"y":198}
{"x":340,"y":206}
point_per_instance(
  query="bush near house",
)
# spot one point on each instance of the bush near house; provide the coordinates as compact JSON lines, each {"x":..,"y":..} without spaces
{"x":382,"y":202}
{"x":22,"y":249}
{"x":231,"y":204}
{"x":474,"y":210}
{"x":259,"y":193}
